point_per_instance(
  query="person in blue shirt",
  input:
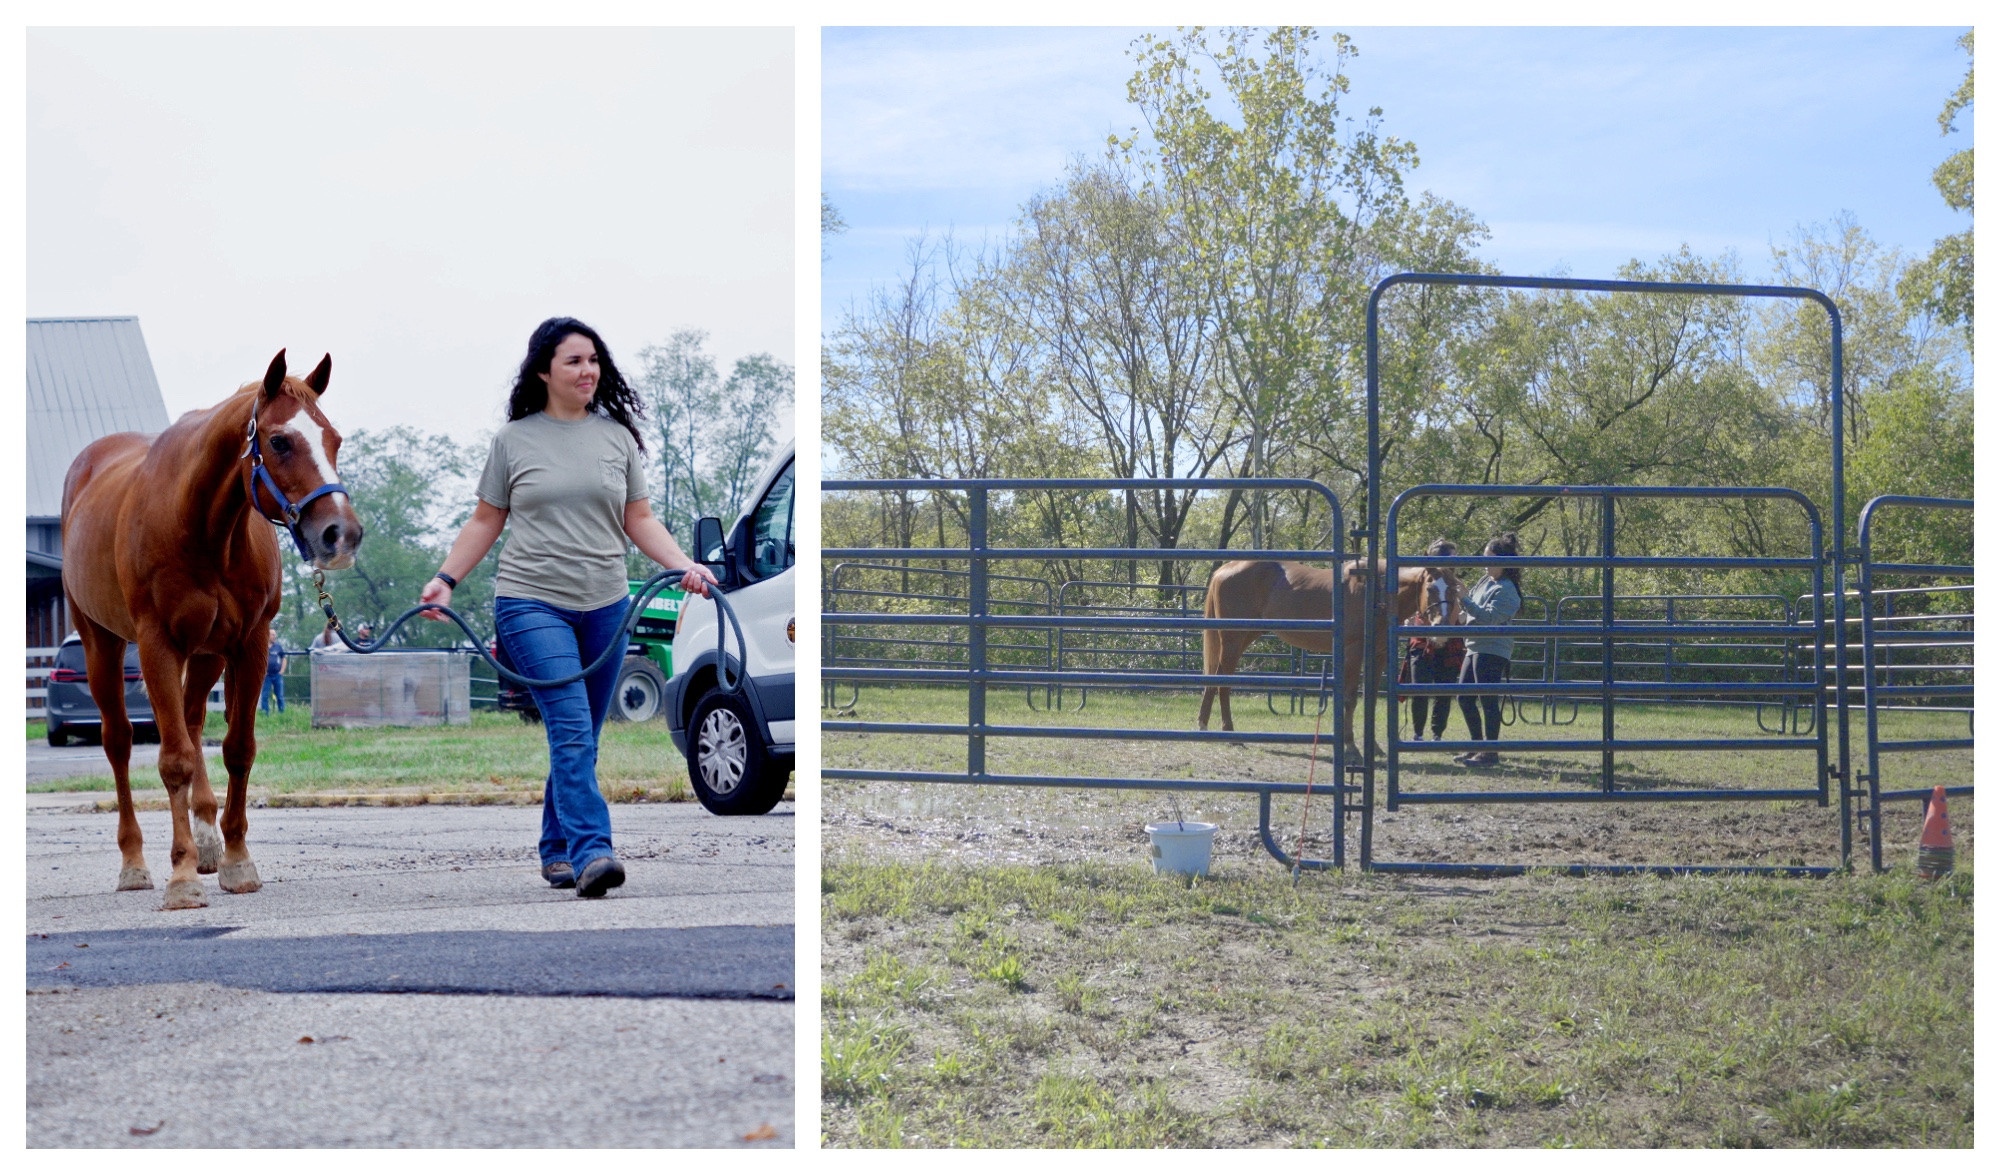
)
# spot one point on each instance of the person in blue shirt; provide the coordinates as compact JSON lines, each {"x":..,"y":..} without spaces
{"x":1494,"y":600}
{"x":274,"y":674}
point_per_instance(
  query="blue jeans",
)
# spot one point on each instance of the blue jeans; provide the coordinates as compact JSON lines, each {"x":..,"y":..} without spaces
{"x":545,"y":641}
{"x":274,"y":683}
{"x":1482,"y":669}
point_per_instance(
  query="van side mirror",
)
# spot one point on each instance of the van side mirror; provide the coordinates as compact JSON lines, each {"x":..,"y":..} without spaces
{"x":708,"y":545}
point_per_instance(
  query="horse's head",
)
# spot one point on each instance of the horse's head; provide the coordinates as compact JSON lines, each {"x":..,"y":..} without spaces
{"x":297,"y":447}
{"x":1441,"y":591}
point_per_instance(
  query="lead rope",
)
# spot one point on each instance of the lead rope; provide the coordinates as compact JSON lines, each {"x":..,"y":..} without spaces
{"x":725,"y":623}
{"x":1312,"y":769}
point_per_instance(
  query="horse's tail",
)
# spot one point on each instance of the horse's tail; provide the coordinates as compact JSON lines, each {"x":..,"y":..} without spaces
{"x":1211,"y":638}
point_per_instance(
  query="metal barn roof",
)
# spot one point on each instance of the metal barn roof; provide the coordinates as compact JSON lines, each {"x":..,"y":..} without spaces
{"x":87,"y":377}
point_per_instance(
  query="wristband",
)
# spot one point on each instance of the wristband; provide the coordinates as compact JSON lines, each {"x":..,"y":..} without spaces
{"x":448,"y":580}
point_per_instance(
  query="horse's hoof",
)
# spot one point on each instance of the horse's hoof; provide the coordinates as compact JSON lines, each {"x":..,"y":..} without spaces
{"x":207,"y":847}
{"x":240,"y":877}
{"x":135,"y":877}
{"x":184,"y":895}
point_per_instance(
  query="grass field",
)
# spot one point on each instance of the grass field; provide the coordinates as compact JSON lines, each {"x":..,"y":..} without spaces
{"x":1001,"y":967}
{"x":1095,"y":1005}
{"x":496,"y":752}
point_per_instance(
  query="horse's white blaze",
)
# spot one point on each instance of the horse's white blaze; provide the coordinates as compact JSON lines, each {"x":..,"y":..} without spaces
{"x":316,"y":446}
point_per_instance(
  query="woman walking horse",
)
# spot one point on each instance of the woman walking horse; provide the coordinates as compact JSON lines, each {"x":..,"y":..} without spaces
{"x":1264,"y":589}
{"x":166,"y":542}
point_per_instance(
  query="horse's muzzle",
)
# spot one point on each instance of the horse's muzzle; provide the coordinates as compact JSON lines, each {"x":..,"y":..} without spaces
{"x":334,"y":539}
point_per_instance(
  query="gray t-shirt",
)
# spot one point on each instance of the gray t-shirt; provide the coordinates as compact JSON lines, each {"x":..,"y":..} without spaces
{"x":564,"y":485}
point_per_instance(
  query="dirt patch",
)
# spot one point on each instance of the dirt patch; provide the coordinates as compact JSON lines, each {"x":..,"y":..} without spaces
{"x":1018,"y":825}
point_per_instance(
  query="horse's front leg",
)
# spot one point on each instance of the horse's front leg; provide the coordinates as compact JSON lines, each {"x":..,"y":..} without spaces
{"x":202,"y":671}
{"x":239,"y":751}
{"x":104,"y":665}
{"x":180,"y":761}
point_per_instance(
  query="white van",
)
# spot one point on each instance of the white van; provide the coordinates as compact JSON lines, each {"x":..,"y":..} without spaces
{"x":739,"y":746}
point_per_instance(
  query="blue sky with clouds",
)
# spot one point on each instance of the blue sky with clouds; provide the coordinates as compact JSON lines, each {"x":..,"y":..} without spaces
{"x":1579,"y":148}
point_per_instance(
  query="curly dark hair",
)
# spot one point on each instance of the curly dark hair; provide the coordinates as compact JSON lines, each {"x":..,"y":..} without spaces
{"x":614,"y":397}
{"x":1504,"y":545}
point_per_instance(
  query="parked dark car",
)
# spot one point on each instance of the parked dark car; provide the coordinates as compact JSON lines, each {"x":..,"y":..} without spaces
{"x":72,"y":713}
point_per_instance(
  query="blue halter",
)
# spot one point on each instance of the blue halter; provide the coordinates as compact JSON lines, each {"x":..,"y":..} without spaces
{"x":260,"y":476}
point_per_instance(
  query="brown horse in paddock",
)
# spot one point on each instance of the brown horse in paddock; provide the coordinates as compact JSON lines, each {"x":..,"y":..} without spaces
{"x":167,"y":541}
{"x":1264,"y":589}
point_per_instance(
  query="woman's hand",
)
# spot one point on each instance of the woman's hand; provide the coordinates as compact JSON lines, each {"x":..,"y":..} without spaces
{"x":436,"y":592}
{"x":696,"y":579}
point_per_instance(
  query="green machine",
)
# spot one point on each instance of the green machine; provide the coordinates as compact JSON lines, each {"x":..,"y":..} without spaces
{"x":655,"y":630}
{"x":649,"y":660}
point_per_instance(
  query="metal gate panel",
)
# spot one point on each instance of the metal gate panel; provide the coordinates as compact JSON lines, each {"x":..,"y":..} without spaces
{"x":1879,"y":642}
{"x":979,"y":675}
{"x":1373,"y":677}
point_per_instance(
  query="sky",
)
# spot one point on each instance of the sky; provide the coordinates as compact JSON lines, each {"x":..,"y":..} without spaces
{"x":412,"y":201}
{"x":1580,"y":149}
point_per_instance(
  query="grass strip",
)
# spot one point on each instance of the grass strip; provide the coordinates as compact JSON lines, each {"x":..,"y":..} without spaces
{"x":1097,"y":1005}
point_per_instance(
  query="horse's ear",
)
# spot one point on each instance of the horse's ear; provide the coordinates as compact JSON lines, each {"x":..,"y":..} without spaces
{"x":274,"y":376}
{"x":317,"y":380}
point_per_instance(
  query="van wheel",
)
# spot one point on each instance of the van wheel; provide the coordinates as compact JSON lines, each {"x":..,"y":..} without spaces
{"x":58,"y":736}
{"x":636,"y":697}
{"x":732,"y":771}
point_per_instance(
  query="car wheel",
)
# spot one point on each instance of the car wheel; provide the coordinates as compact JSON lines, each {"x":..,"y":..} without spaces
{"x":58,"y":736}
{"x":732,"y":771}
{"x":636,"y":697}
{"x":531,"y":716}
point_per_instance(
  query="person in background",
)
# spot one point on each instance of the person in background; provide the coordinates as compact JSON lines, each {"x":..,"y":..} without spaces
{"x":1494,"y":600}
{"x":328,"y":640}
{"x":274,"y":673}
{"x":1430,"y":660}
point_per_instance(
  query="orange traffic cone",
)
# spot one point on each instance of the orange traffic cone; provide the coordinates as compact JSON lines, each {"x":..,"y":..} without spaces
{"x":1934,"y":848}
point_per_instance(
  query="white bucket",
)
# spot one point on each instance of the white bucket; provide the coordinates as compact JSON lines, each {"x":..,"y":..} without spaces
{"x":1182,"y":846}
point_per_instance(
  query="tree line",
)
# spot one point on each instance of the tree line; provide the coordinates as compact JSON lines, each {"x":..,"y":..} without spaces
{"x":1190,"y":303}
{"x":707,"y":436}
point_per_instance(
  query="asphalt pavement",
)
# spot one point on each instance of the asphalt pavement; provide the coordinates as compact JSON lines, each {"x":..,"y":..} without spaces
{"x":405,"y":979}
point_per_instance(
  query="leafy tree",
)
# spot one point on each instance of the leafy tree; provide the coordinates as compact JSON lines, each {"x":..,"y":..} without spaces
{"x":1942,"y":283}
{"x":412,"y":491}
{"x":757,"y":393}
{"x":683,"y":394}
{"x":710,"y":436}
{"x":1277,"y":208}
{"x":1120,"y":323}
{"x":831,"y":224}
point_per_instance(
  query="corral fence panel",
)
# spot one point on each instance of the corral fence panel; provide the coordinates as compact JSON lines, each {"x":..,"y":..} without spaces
{"x":979,"y":662}
{"x":1919,"y":660}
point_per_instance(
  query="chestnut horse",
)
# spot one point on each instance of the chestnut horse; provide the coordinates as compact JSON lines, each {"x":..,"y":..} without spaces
{"x":167,"y":542}
{"x":1266,"y":590}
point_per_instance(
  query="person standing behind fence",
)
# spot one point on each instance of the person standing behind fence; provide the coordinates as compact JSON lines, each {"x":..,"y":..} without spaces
{"x":274,"y":674}
{"x":566,"y":472}
{"x":1427,"y":662}
{"x":1494,"y":600}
